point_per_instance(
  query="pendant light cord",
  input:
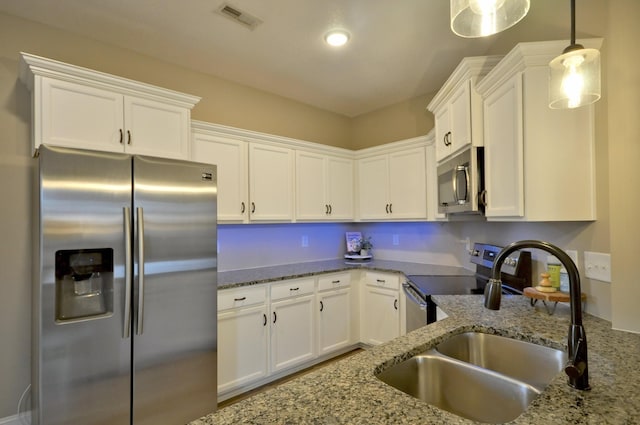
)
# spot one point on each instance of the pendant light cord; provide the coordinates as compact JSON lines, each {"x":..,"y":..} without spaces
{"x":573,"y":22}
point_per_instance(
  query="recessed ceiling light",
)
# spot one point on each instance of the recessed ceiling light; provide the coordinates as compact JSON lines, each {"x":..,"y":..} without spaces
{"x":336,"y":37}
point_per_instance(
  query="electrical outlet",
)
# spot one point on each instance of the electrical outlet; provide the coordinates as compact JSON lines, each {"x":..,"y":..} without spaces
{"x":305,"y":241}
{"x":597,"y":265}
{"x":573,"y":254}
{"x":396,"y":240}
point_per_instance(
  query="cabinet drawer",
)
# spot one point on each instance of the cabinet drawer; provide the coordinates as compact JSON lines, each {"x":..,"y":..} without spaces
{"x":334,"y":281}
{"x":241,"y":297}
{"x":383,"y":280}
{"x":292,"y":288}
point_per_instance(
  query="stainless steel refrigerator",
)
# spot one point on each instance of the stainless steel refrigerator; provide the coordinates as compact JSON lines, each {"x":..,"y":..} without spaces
{"x":124,"y":300}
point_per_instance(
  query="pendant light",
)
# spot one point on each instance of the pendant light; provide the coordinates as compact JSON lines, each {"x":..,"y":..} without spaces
{"x":480,"y":18}
{"x":574,"y":76}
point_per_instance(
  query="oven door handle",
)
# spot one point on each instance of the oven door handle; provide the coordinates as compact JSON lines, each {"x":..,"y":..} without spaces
{"x":410,"y":293}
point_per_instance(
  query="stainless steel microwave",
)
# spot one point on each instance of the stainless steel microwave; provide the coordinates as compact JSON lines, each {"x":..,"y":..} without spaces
{"x":461,"y":183}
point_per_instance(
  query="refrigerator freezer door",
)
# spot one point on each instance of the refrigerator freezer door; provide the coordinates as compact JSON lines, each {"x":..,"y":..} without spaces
{"x":81,"y":356}
{"x":175,"y":330}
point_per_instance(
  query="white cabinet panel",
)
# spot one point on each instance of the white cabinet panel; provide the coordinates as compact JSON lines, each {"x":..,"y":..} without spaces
{"x":242,"y":347}
{"x":334,"y":323}
{"x":292,"y":332}
{"x":83,"y":117}
{"x":156,"y":129}
{"x":81,"y":108}
{"x":340,"y":188}
{"x":393,"y":186}
{"x":270,"y":183}
{"x":311,"y":186}
{"x":503,"y":151}
{"x":230,"y":157}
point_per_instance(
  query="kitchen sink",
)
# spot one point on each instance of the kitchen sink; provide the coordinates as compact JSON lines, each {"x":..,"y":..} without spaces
{"x":476,"y":375}
{"x":531,"y":363}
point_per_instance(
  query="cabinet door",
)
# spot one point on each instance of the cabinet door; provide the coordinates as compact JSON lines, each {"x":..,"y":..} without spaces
{"x":504,"y":150}
{"x":443,"y":126}
{"x":373,"y":181}
{"x":270,"y":182}
{"x":311,"y":184}
{"x":340,"y":188}
{"x":78,"y":116}
{"x":230,"y":157}
{"x":156,"y":129}
{"x":460,"y":117}
{"x":381,"y":319}
{"x":408,"y":184}
{"x":242,"y":347}
{"x":292,"y":332}
{"x":334,"y":324}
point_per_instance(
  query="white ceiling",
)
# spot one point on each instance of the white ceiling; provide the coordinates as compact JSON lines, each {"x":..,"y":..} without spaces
{"x":399,"y":49}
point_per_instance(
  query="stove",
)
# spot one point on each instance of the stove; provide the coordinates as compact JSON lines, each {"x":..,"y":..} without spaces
{"x":421,"y":309}
{"x":515,"y":272}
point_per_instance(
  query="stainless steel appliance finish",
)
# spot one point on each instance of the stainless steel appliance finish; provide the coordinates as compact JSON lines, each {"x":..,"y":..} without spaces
{"x":461,"y":183}
{"x":420,"y":308}
{"x":515,"y":271}
{"x":125,"y":290}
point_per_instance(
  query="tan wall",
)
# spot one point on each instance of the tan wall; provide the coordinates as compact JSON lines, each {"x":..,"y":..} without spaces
{"x":401,"y":121}
{"x":624,"y":153}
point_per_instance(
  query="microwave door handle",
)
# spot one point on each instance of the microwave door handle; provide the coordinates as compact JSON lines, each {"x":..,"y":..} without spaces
{"x":454,"y":181}
{"x":468,"y":184}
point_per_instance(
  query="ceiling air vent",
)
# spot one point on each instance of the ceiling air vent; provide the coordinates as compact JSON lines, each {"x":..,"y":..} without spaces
{"x":243,"y":18}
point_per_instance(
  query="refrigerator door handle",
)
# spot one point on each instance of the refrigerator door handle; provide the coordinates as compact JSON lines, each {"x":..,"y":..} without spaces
{"x":127,"y":272}
{"x":140,"y":220}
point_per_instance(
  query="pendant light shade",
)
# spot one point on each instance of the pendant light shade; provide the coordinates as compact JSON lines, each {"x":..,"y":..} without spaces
{"x":480,"y":18}
{"x":574,"y":76}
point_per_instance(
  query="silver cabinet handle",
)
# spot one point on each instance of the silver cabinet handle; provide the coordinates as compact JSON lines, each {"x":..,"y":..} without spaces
{"x":140,"y":214}
{"x":127,"y":271}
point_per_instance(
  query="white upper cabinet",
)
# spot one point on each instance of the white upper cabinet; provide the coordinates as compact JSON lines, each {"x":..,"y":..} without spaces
{"x":392,"y":185}
{"x":230,"y":156}
{"x":270,"y":182}
{"x":80,"y":108}
{"x":539,"y":162}
{"x":324,"y":187}
{"x":457,"y":107}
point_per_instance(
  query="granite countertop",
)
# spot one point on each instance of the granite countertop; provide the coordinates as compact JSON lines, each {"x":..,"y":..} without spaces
{"x":347,"y":391}
{"x":235,"y":278}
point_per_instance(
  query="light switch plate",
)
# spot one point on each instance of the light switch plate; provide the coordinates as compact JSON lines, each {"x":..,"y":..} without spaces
{"x":597,"y":265}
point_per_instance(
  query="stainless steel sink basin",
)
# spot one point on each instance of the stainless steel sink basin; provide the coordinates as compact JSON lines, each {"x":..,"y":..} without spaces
{"x":486,"y":378}
{"x":531,"y":363}
{"x":459,"y":388}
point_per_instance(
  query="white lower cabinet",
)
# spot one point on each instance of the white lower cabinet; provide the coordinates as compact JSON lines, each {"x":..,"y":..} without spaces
{"x":334,"y":313}
{"x":380,"y":309}
{"x":267,"y":331}
{"x":292,"y":323}
{"x":243,"y":337}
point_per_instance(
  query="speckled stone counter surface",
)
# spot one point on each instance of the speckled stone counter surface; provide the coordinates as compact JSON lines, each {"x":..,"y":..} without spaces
{"x":230,"y":279}
{"x":348,"y":392}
